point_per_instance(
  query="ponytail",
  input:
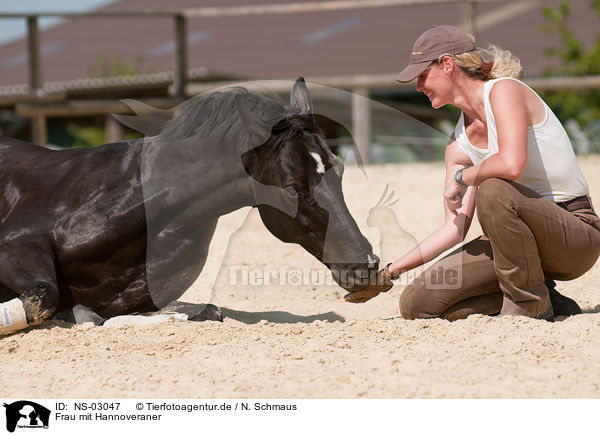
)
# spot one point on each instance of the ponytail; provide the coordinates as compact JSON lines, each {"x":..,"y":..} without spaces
{"x":488,"y":63}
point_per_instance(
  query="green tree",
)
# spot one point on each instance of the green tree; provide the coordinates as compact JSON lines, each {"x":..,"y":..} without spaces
{"x":574,"y":60}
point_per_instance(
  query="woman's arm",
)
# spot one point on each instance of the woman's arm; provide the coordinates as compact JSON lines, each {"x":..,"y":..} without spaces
{"x":509,"y":103}
{"x":459,"y":206}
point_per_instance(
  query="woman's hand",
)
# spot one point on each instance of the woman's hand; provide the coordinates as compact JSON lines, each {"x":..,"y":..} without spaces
{"x":383,"y":284}
{"x":453,"y":196}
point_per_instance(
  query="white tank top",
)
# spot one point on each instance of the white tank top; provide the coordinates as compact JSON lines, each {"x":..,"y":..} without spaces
{"x":552,"y":169}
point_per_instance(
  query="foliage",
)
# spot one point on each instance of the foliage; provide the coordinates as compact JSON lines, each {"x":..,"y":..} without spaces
{"x":87,"y":136}
{"x":574,"y":60}
{"x":108,"y":66}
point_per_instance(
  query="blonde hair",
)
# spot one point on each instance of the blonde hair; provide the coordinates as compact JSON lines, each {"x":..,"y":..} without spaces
{"x":488,"y":63}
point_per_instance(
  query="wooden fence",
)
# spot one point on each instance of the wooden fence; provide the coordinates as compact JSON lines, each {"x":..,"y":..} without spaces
{"x":38,"y":106}
{"x":180,"y":18}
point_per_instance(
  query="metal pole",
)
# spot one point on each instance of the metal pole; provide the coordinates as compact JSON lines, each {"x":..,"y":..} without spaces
{"x":361,"y":122}
{"x":181,"y":63}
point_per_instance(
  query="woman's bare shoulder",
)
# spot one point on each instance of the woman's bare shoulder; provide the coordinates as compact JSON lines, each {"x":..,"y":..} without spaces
{"x":507,"y":94}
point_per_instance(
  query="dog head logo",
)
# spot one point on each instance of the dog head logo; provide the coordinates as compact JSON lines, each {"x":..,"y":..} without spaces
{"x":26,"y":414}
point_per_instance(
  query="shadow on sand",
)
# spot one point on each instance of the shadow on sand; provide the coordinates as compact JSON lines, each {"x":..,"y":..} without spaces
{"x":250,"y":317}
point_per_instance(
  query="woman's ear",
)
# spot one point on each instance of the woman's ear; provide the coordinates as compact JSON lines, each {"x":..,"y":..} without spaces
{"x":447,"y":64}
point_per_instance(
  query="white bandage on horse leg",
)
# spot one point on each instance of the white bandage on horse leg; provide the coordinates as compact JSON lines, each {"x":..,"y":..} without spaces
{"x":12,"y":316}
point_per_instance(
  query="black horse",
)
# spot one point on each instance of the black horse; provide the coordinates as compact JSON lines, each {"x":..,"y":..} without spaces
{"x":125,"y":227}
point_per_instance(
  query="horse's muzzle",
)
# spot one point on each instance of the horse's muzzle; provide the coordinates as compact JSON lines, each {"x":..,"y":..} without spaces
{"x":354,"y":277}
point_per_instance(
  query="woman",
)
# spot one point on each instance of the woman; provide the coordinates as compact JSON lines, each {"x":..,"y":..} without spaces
{"x":510,"y":159}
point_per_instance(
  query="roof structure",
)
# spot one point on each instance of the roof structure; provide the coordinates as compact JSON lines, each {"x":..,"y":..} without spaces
{"x":318,"y":44}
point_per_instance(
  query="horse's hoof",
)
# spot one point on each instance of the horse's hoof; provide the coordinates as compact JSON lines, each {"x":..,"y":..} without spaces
{"x":210,"y":312}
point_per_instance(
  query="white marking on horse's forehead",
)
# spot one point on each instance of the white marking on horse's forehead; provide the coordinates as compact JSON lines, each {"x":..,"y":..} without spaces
{"x":320,"y":165}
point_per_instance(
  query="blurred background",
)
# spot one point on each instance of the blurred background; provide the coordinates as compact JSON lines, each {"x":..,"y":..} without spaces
{"x":65,"y":65}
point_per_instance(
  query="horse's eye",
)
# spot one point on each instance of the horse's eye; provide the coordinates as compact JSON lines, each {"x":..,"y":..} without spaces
{"x":291,"y":191}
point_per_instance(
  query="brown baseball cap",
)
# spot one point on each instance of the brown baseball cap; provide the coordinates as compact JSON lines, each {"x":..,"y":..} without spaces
{"x":435,"y":42}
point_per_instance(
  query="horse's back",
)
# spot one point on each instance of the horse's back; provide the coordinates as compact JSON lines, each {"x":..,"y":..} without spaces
{"x":54,"y":187}
{"x":17,"y":154}
{"x":72,"y":176}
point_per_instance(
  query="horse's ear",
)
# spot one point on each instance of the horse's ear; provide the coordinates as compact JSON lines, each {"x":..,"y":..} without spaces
{"x":300,"y":97}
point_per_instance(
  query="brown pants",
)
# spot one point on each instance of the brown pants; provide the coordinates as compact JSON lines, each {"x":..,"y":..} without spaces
{"x":527,"y":240}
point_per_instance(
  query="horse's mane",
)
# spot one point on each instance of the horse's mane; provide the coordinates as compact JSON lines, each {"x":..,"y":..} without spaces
{"x":217,"y":115}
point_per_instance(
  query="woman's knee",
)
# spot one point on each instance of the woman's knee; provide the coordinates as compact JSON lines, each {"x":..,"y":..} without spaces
{"x":493,"y":201}
{"x":489,"y":191}
{"x":412,"y":301}
{"x":429,"y":296}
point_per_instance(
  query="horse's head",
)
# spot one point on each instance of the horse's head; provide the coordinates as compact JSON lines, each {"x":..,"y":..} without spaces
{"x":298,"y":193}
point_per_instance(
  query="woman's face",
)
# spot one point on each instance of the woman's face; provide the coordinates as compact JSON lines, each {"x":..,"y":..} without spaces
{"x":436,"y":84}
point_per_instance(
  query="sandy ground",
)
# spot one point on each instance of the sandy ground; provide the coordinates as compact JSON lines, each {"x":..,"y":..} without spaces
{"x":299,"y":339}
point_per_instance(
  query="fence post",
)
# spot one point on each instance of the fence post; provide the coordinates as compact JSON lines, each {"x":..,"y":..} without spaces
{"x":39,"y":130}
{"x":181,"y":64}
{"x":469,"y":17}
{"x":38,"y":123}
{"x":113,"y":131}
{"x":361,"y":122}
{"x":33,"y":46}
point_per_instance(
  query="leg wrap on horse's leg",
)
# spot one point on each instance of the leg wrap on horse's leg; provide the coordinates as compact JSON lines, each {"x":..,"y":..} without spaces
{"x":33,"y":280}
{"x":12,"y":316}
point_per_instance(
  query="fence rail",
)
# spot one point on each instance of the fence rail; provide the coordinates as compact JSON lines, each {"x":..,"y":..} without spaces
{"x":180,"y":18}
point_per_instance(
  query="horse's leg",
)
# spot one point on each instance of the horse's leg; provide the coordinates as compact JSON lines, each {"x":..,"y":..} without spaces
{"x":219,"y":250}
{"x":6,"y":294}
{"x":203,"y":288}
{"x":27,"y":269}
{"x":194,"y":312}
